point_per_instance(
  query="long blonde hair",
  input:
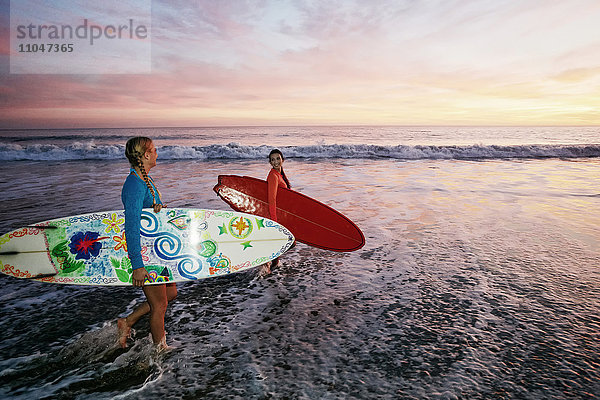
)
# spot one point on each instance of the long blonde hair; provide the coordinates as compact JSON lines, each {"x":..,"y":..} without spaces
{"x":135,"y":148}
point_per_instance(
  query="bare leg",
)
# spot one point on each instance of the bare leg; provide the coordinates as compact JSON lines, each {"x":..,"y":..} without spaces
{"x":158,"y":297}
{"x":124,"y":324}
{"x":171,"y":292}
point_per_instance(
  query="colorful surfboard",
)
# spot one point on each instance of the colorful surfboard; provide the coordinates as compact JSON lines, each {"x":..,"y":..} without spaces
{"x":178,"y":245}
{"x":310,"y":221}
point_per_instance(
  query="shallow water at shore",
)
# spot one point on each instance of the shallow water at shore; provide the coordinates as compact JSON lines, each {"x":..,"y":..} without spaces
{"x":479,"y":279}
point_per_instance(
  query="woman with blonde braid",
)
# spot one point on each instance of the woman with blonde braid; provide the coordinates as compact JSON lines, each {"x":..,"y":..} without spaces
{"x":140,"y":192}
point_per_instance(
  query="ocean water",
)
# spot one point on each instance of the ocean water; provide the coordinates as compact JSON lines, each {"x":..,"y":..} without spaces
{"x":480,"y":277}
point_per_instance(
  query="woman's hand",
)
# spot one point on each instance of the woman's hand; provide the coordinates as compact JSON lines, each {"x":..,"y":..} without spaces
{"x":139,"y":276}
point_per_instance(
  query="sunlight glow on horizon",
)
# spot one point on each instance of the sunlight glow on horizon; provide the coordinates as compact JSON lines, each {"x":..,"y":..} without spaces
{"x":393,"y":62}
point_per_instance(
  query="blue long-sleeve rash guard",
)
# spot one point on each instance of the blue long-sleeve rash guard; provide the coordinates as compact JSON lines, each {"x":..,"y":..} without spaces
{"x":135,"y":196}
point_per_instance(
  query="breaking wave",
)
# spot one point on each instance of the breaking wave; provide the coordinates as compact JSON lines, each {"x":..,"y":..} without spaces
{"x":235,"y":151}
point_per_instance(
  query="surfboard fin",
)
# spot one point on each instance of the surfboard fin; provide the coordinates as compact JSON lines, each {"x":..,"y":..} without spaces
{"x":15,"y":253}
{"x":41,"y":276}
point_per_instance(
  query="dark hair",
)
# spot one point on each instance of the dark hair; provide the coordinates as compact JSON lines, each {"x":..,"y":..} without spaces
{"x":277,"y":151}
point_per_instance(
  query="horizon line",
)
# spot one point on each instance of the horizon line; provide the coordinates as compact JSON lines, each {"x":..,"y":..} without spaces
{"x":303,"y":125}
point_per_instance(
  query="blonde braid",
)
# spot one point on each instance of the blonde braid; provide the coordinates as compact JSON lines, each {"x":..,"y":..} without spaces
{"x":134,"y":151}
{"x":146,"y":179}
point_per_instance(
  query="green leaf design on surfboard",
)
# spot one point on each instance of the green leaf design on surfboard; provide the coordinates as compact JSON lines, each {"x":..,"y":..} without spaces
{"x":122,"y":268}
{"x":64,"y":258}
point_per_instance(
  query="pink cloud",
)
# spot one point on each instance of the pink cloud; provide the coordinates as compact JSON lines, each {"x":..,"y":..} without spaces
{"x":231,"y":58}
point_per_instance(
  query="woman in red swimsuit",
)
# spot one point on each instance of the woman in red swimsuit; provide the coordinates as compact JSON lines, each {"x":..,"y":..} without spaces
{"x":276,"y":179}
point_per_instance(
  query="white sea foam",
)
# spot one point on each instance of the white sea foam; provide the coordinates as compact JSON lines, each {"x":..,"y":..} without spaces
{"x":235,"y":151}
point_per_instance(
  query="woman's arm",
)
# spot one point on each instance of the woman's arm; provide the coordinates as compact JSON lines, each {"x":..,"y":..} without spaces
{"x":133,"y":201}
{"x":272,"y":183}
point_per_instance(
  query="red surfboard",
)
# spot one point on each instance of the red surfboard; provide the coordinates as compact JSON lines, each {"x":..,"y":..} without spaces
{"x":310,"y":221}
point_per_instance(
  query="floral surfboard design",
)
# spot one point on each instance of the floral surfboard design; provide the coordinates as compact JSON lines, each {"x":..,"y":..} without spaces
{"x":178,"y":245}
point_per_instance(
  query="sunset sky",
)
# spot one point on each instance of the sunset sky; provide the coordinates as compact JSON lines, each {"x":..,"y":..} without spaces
{"x":403,"y":62}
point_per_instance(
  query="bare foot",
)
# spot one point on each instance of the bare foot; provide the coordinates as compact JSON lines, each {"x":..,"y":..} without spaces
{"x":124,"y":331}
{"x":162,"y":346}
{"x":265,"y":269}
